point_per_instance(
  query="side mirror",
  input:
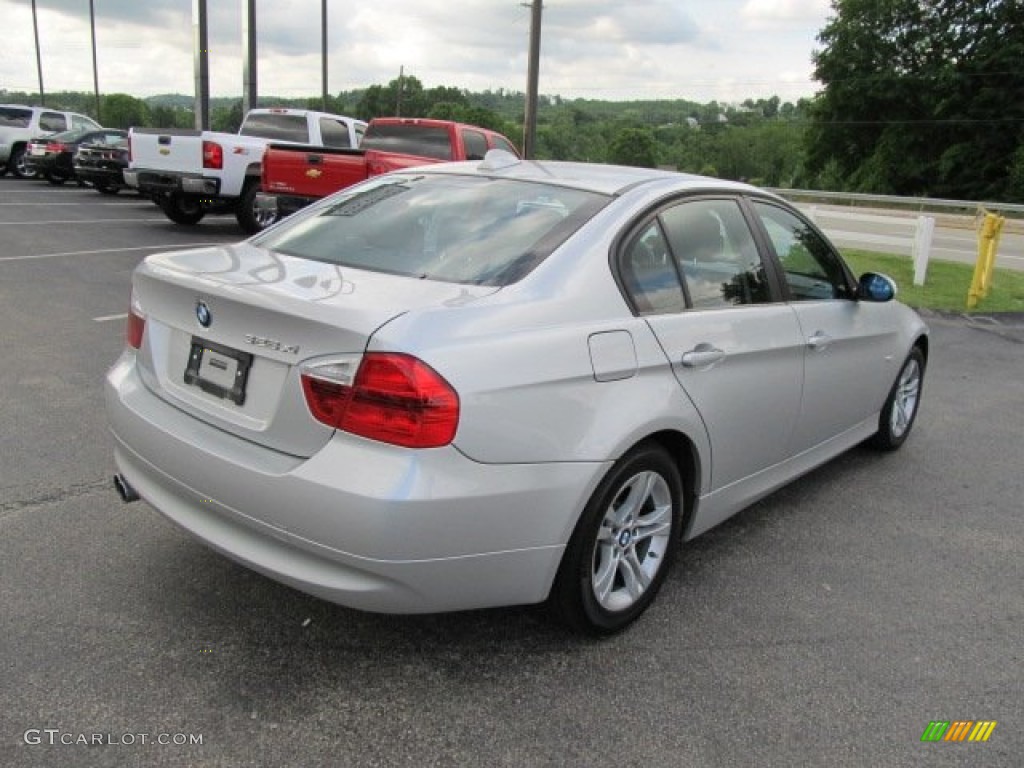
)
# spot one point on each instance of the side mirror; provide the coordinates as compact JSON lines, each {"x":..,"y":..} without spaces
{"x":873,"y":286}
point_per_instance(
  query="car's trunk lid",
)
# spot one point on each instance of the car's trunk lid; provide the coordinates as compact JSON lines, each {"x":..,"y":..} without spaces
{"x":228,"y":328}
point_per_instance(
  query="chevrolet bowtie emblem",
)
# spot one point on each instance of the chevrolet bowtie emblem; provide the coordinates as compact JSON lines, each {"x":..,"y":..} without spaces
{"x":313,"y":173}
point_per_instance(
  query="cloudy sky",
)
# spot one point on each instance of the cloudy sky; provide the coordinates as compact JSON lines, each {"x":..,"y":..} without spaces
{"x":727,"y":50}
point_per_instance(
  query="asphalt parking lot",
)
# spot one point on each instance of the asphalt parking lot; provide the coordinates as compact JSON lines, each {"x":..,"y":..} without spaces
{"x":827,"y":625}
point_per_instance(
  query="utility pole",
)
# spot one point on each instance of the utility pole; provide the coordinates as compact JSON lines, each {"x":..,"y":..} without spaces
{"x":95,"y":71}
{"x":250,"y":97}
{"x":39,"y":58}
{"x":323,"y":50}
{"x":202,"y":64}
{"x":401,"y":87}
{"x":532,"y":76}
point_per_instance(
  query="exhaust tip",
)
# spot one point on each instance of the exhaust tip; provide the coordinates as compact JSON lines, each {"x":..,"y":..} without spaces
{"x":124,"y":489}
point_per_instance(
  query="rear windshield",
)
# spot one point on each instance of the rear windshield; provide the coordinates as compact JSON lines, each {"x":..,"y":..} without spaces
{"x":278,"y":127}
{"x":459,"y":229}
{"x":15,"y":117}
{"x":409,"y":139}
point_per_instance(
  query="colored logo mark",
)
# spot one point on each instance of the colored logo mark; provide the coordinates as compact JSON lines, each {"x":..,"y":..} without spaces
{"x":958,"y":730}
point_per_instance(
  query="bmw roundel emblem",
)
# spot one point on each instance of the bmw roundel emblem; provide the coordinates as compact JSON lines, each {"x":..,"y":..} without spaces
{"x":203,"y":314}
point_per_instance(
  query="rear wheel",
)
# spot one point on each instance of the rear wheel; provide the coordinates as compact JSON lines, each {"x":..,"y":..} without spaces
{"x":182,"y":209}
{"x":623,"y":544}
{"x":900,"y":409}
{"x":250,"y":218}
{"x":18,"y":166}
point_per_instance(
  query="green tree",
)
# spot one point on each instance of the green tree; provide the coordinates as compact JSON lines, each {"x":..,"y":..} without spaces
{"x":119,"y":110}
{"x":634,"y":146}
{"x":921,"y":97}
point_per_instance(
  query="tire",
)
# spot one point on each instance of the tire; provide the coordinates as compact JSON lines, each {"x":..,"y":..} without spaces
{"x":16,"y":164}
{"x":55,"y":179}
{"x":182,"y":209}
{"x":623,"y":544}
{"x":249,"y":218}
{"x":901,"y":406}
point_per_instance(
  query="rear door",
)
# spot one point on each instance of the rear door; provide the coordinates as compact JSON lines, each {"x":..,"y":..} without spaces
{"x":694,"y":272}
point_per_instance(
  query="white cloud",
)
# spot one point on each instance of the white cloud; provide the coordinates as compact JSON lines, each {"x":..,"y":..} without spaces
{"x":605,"y":49}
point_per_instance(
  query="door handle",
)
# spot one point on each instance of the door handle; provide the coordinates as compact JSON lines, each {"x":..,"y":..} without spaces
{"x":702,"y":356}
{"x":819,"y":341}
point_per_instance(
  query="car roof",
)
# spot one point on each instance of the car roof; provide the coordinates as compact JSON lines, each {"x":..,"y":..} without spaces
{"x":592,"y":177}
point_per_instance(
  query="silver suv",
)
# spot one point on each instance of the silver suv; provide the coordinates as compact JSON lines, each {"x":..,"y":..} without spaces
{"x":19,"y":124}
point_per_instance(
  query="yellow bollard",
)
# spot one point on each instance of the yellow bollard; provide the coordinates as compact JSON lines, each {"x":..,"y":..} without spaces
{"x":988,"y":244}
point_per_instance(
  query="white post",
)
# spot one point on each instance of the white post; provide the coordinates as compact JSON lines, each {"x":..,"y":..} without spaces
{"x":922,"y":247}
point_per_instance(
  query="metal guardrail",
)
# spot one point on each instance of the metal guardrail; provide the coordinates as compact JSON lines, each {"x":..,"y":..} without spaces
{"x":894,"y":201}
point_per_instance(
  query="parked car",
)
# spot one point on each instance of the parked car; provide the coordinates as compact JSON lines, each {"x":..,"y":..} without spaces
{"x":102,"y":164}
{"x":192,"y":173}
{"x":52,"y":157}
{"x":19,"y":124}
{"x":481,"y":384}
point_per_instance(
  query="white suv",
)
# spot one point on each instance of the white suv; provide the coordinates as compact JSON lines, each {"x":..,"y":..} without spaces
{"x":19,"y":124}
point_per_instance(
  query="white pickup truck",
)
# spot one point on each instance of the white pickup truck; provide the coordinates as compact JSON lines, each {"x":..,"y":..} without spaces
{"x":191,"y":173}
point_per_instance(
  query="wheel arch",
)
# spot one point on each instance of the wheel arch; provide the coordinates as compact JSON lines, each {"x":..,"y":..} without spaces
{"x":686,"y":458}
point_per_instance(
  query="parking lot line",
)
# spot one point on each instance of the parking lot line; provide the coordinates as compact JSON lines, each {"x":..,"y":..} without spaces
{"x":108,"y":318}
{"x":34,"y":256}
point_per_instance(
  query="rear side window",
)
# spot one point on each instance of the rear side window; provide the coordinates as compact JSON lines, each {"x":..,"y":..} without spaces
{"x":14,"y":117}
{"x":334,"y":133}
{"x":720,"y":263}
{"x":410,"y":139}
{"x":83,"y":123}
{"x":277,"y":127}
{"x":476,"y":144}
{"x":649,"y":273}
{"x":459,"y":229}
{"x":52,"y":121}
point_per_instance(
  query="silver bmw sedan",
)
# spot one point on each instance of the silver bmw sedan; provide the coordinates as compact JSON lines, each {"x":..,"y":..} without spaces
{"x":501,"y":382}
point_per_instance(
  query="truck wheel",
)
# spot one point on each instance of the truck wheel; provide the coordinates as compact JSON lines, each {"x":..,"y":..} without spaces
{"x":17,"y":164}
{"x":250,"y":218}
{"x":182,"y":209}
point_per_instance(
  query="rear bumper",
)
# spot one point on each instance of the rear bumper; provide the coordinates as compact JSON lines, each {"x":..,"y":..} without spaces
{"x":359,"y":523}
{"x":282,"y":205}
{"x":162,"y":183}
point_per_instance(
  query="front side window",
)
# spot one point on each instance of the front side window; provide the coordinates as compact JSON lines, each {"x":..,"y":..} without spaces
{"x":720,"y":263}
{"x":458,"y":229}
{"x":812,"y":270}
{"x":83,"y":123}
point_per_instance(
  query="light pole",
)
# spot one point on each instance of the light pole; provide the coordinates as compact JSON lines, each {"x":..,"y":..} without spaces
{"x":39,"y":58}
{"x":95,"y":71}
{"x":323,"y":51}
{"x":250,"y":98}
{"x":532,"y":76}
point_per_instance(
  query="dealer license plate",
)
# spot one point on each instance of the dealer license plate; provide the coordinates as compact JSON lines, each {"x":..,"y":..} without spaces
{"x":219,"y":370}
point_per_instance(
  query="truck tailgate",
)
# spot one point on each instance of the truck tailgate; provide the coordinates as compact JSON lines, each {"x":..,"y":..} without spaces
{"x":311,"y":171}
{"x":167,"y":149}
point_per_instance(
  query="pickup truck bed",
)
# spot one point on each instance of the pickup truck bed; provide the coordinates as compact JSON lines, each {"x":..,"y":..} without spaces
{"x":294,"y":176}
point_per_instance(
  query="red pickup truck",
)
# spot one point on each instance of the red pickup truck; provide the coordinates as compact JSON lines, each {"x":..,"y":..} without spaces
{"x":294,"y":176}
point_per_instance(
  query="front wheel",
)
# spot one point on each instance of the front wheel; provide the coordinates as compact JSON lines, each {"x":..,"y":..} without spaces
{"x":623,"y":544}
{"x":250,"y":218}
{"x":182,"y":209}
{"x":901,"y":406}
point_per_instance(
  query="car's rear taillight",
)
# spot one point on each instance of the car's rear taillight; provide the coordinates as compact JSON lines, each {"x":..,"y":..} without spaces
{"x":135,"y":325}
{"x":56,"y":146}
{"x":213,"y":155}
{"x":392,"y":397}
